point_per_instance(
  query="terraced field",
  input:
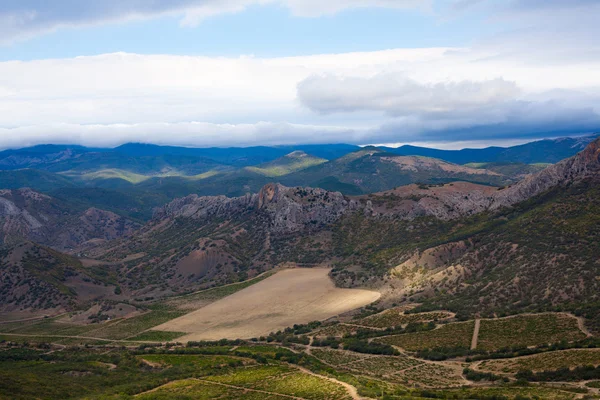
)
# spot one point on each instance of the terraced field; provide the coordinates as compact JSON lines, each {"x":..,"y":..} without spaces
{"x":396,"y":317}
{"x":544,"y":361}
{"x":383,"y":366}
{"x":339,"y":330}
{"x":457,"y":334}
{"x":303,"y":295}
{"x":285,"y":381}
{"x":528,"y":330}
{"x":337,"y":357}
{"x":197,"y":361}
{"x":430,"y":375}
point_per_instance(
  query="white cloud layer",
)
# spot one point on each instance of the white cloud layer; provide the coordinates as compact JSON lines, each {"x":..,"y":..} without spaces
{"x":199,"y":134}
{"x":398,"y":95}
{"x":407,"y":95}
{"x":539,"y":78}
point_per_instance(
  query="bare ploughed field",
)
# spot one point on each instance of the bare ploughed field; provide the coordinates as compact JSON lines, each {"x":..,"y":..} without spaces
{"x":294,"y":296}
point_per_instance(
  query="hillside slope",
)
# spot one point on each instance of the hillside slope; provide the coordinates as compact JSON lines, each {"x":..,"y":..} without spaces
{"x":373,"y":170}
{"x":29,"y":215}
{"x":495,"y":244}
{"x":36,"y":278}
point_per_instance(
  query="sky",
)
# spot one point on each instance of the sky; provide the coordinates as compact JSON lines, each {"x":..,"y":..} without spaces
{"x":442,"y":73}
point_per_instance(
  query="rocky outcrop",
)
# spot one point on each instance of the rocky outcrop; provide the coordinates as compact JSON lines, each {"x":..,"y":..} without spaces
{"x":290,"y":210}
{"x":285,"y":209}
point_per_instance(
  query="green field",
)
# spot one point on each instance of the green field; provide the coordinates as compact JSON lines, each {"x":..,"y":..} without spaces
{"x":283,"y":380}
{"x":528,"y":330}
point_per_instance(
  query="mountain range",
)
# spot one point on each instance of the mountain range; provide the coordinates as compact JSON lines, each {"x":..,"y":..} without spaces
{"x":473,"y":248}
{"x":132,"y":179}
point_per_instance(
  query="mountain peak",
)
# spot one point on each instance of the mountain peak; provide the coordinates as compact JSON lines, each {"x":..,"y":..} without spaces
{"x":297,"y":154}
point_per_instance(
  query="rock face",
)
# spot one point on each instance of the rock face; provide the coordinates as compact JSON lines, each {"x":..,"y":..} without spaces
{"x":286,"y":209}
{"x":29,"y":215}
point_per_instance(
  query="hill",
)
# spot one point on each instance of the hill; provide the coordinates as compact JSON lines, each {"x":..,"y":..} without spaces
{"x":460,"y":242}
{"x":35,"y":179}
{"x":372,"y":170}
{"x":37,"y":278}
{"x":293,"y":162}
{"x":29,"y":215}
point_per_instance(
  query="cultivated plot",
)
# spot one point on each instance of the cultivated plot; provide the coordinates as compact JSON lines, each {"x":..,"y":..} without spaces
{"x":528,"y":330}
{"x":289,"y":297}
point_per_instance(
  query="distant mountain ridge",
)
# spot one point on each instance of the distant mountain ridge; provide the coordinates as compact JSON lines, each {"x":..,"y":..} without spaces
{"x":47,"y":157}
{"x":133,"y":178}
{"x":540,"y":151}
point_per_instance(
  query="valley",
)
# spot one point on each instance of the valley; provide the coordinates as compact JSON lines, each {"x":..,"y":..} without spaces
{"x":434,"y":280}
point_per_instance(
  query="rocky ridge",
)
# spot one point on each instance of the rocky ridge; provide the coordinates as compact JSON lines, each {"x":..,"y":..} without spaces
{"x":291,"y":209}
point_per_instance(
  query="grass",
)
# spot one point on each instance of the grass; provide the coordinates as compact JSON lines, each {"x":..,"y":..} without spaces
{"x":200,"y":390}
{"x":197,"y":361}
{"x":134,"y":178}
{"x":451,"y":335}
{"x":286,"y":165}
{"x":114,"y":173}
{"x":528,"y":330}
{"x":545,"y":361}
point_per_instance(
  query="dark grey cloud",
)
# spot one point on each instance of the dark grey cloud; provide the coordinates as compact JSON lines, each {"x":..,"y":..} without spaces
{"x":515,"y":120}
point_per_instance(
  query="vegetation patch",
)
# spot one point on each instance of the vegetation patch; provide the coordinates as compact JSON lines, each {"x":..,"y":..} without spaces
{"x":539,"y":362}
{"x":450,"y":335}
{"x":395,"y":317}
{"x":430,"y":375}
{"x":197,"y":361}
{"x":341,"y":330}
{"x":336,"y":357}
{"x":157,"y":336}
{"x":284,"y":380}
{"x":528,"y":330}
{"x":384,"y":366}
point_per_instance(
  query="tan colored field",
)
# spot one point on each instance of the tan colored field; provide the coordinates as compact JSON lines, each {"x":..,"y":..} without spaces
{"x":289,"y":297}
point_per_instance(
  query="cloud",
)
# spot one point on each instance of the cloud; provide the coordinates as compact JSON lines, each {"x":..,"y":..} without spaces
{"x":371,"y":97}
{"x":198,"y":134}
{"x":21,"y":19}
{"x":513,"y":120}
{"x":397,"y":95}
